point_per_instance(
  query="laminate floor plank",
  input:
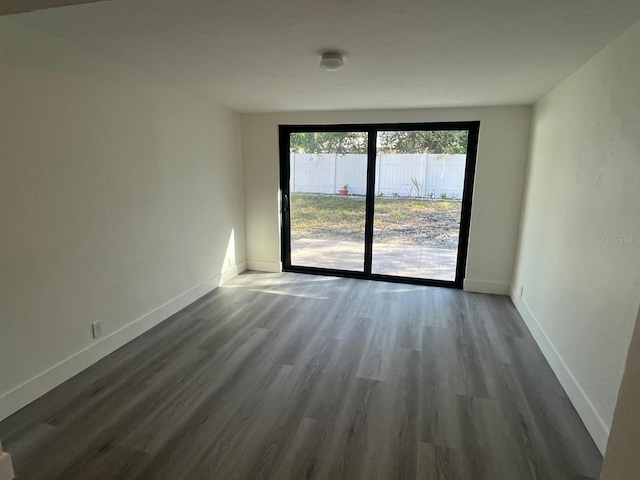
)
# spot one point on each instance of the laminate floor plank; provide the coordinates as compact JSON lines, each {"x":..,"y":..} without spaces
{"x":435,"y":462}
{"x":266,"y":444}
{"x":376,"y":358}
{"x":227,"y":448}
{"x":300,"y":461}
{"x":488,"y":443}
{"x":286,"y":376}
{"x":392,"y":445}
{"x":337,"y":380}
{"x":346,"y":457}
{"x":212,"y":435}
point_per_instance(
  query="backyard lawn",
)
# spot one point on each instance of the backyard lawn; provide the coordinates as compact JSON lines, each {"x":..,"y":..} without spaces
{"x":400,"y":221}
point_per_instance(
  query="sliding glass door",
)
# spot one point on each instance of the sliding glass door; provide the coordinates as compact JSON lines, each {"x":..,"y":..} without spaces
{"x":327,"y":201}
{"x":418,"y":202}
{"x":389,"y":202}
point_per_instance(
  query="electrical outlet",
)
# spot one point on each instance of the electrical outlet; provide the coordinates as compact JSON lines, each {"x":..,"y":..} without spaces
{"x":97,"y":329}
{"x":521,"y":290}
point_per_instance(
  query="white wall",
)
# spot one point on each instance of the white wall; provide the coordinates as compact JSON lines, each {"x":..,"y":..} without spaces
{"x":501,"y":165}
{"x":121,"y":200}
{"x":580,"y":290}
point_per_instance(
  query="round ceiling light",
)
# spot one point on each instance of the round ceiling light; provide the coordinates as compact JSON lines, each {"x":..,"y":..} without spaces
{"x":332,"y":61}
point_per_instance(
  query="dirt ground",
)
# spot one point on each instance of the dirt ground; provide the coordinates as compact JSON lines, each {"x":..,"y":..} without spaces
{"x":399,"y":221}
{"x":427,"y":230}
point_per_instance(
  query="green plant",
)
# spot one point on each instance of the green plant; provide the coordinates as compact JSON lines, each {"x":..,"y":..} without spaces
{"x":431,"y":195}
{"x":453,"y":196}
{"x":443,"y":196}
{"x":345,"y":186}
{"x":415,"y":185}
{"x":395,"y":194}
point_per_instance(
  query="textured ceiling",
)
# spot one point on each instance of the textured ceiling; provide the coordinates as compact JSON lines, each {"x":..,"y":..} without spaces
{"x":263,"y":55}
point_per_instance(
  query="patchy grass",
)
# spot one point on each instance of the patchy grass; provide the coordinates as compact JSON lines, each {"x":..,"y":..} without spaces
{"x":404,"y":221}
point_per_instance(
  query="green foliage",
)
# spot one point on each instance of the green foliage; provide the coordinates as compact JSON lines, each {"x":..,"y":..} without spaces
{"x":328,"y":142}
{"x":444,"y":196}
{"x":434,"y":141}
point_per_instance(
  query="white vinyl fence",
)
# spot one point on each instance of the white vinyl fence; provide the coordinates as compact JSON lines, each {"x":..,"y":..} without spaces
{"x":424,"y":175}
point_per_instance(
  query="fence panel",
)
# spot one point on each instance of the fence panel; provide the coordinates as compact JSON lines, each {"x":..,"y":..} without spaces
{"x":397,"y":174}
{"x":312,"y":173}
{"x":444,"y":174}
{"x":351,"y":170}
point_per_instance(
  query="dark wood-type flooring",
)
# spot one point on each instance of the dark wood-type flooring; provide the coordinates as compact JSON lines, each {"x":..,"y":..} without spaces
{"x":285,"y":376}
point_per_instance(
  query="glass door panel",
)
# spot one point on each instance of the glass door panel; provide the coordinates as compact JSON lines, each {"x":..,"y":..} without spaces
{"x":327,"y":205}
{"x":419,"y":184}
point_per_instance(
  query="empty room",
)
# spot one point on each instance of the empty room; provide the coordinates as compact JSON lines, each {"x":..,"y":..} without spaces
{"x":319,"y":239}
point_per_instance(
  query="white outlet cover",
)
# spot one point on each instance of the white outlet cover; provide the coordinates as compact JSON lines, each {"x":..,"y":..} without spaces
{"x":96,"y":329}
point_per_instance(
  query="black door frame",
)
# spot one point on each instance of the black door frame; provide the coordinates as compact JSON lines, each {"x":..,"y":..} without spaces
{"x":372,"y":129}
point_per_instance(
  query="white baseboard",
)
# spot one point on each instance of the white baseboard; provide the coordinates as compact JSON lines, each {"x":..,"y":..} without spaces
{"x":594,"y":423}
{"x":6,"y":467}
{"x":22,"y":395}
{"x":262,"y":266}
{"x":486,"y":286}
{"x":242,"y":266}
{"x":232,"y":272}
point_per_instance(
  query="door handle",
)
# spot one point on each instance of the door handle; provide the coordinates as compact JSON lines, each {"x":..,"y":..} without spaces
{"x":285,"y":202}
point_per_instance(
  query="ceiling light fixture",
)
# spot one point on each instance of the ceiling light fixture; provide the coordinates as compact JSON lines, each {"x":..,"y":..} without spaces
{"x":332,"y":61}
